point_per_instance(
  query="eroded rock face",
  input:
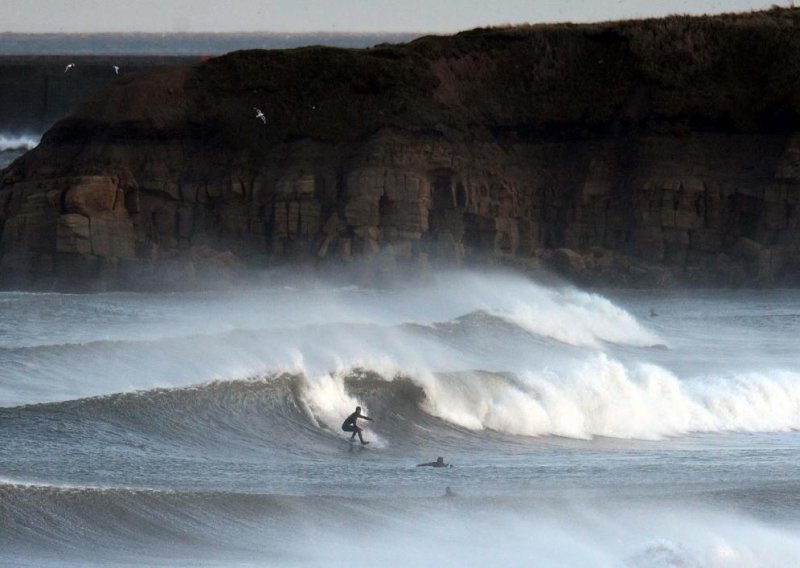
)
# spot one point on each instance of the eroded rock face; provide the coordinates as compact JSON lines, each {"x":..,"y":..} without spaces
{"x":408,"y":202}
{"x":169,"y":179}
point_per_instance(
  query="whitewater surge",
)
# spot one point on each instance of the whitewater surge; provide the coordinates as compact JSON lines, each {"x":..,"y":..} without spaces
{"x":10,"y":142}
{"x":599,"y":398}
{"x":604,"y":398}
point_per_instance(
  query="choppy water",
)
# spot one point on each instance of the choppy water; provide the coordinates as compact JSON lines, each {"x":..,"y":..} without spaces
{"x":203,"y":428}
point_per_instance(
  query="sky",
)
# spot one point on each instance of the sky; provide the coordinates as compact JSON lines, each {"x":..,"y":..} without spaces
{"x":296,"y":16}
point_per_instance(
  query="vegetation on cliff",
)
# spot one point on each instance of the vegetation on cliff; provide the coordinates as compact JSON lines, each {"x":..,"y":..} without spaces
{"x":738,"y":72}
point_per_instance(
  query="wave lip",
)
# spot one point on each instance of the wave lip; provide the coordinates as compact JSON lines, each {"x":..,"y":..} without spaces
{"x":11,"y":142}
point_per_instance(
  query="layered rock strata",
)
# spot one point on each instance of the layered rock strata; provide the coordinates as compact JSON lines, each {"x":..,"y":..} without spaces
{"x":645,"y":153}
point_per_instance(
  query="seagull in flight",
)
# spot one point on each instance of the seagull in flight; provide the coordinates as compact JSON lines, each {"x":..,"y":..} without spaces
{"x":116,"y":69}
{"x":260,"y":115}
{"x":68,"y":67}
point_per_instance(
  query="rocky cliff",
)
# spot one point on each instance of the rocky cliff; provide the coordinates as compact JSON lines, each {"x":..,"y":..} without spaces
{"x":634,"y":153}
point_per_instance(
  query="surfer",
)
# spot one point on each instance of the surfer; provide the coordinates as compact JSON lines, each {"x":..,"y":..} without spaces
{"x":438,"y":463}
{"x":349,"y":424}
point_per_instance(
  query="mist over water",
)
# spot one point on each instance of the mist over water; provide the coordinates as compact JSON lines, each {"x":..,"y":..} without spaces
{"x":185,"y":428}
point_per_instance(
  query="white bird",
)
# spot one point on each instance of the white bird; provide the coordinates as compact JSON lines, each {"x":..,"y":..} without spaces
{"x":260,"y":115}
{"x":116,"y":69}
{"x":68,"y":67}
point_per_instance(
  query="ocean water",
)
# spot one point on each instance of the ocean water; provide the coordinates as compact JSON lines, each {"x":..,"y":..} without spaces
{"x":12,"y":146}
{"x":203,"y":429}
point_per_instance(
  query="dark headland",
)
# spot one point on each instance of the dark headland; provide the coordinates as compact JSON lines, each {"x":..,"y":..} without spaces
{"x":643,"y":153}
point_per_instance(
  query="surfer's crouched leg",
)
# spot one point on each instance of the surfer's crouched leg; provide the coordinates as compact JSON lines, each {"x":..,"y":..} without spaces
{"x":354,"y":429}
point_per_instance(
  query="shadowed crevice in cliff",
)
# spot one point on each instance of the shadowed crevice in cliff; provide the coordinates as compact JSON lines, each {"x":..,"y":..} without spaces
{"x":637,"y":153}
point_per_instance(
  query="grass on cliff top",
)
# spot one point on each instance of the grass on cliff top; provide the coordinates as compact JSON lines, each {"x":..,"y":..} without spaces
{"x":733,"y":71}
{"x":321,"y":92}
{"x":737,"y":72}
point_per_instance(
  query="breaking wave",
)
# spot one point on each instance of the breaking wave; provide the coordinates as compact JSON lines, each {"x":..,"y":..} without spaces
{"x":10,"y":142}
{"x":600,"y":398}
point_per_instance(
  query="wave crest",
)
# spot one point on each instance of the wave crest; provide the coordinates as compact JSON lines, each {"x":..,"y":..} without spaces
{"x":18,"y":142}
{"x":601,"y":398}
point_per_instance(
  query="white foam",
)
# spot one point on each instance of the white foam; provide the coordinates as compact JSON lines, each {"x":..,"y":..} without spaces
{"x":565,"y":314}
{"x":328,"y":402}
{"x":603,"y":397}
{"x":575,"y":317}
{"x":18,"y":142}
{"x":34,"y":484}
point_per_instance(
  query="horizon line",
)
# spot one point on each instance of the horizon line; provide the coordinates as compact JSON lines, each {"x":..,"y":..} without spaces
{"x":774,"y":7}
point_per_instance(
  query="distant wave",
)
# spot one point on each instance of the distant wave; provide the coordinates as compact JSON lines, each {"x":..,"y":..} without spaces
{"x":590,"y":330}
{"x":52,"y":526}
{"x":10,"y":142}
{"x":578,"y":318}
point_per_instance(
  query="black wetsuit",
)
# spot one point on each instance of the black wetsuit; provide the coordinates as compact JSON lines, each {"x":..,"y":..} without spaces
{"x":349,"y":424}
{"x":434,"y":464}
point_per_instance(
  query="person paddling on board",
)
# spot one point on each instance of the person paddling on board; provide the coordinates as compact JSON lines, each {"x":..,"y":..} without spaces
{"x":349,"y":425}
{"x":438,"y":463}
